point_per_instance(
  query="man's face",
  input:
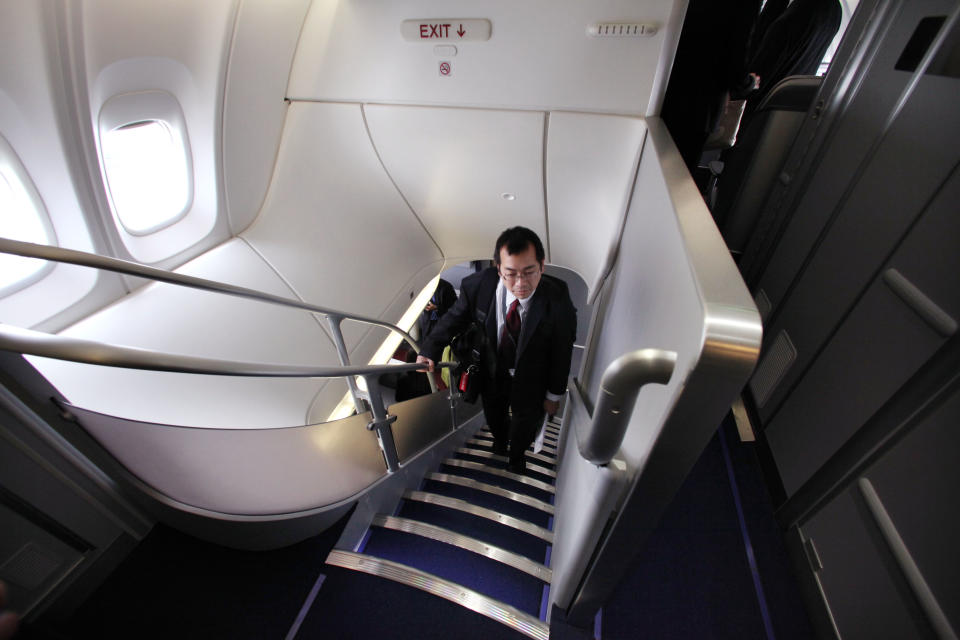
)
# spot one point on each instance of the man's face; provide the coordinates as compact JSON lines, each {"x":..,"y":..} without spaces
{"x":520,"y":272}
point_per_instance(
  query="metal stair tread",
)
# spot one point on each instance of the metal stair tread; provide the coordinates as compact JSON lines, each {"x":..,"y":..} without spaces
{"x":510,"y":475}
{"x":487,"y":454}
{"x":462,"y":505}
{"x":487,"y":436}
{"x":470,"y":483}
{"x":549,"y":459}
{"x":484,"y":605}
{"x":468,"y":543}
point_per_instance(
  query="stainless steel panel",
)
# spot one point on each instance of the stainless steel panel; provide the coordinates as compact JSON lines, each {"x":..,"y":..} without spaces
{"x":420,"y":422}
{"x":489,"y":488}
{"x":467,"y":543}
{"x":466,"y":464}
{"x":695,"y":303}
{"x":464,"y":411}
{"x":484,"y":605}
{"x":239,"y":473}
{"x":489,"y":514}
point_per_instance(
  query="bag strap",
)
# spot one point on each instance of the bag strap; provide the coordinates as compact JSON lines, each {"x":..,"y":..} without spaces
{"x":485,"y":293}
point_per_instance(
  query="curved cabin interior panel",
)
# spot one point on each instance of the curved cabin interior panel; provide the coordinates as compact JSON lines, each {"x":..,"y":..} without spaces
{"x":221,"y":220}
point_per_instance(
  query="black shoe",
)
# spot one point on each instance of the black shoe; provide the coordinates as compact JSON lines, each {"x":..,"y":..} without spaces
{"x":499,"y":449}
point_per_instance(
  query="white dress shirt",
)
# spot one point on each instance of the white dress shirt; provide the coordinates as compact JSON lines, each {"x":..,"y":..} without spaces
{"x":505,"y":298}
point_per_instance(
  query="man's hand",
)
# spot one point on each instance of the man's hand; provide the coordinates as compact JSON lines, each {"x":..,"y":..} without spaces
{"x":551,"y":406}
{"x":427,"y":361}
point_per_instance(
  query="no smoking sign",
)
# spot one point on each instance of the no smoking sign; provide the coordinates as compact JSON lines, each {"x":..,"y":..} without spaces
{"x":445,"y":69}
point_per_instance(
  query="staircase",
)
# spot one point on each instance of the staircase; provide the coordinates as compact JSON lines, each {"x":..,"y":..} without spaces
{"x":474,"y":534}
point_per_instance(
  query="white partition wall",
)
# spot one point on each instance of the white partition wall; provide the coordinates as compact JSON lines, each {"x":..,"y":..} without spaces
{"x":676,"y":288}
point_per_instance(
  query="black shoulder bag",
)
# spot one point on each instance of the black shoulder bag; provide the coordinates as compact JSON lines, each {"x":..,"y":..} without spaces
{"x":472,"y":347}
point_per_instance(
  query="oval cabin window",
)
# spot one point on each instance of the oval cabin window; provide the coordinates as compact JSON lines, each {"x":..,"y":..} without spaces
{"x":21,"y":218}
{"x":148,"y":174}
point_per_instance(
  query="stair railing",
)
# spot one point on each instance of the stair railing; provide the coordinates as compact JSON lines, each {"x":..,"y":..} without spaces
{"x":87,"y":351}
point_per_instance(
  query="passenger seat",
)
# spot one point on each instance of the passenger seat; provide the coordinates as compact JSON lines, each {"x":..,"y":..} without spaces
{"x":750,"y":168}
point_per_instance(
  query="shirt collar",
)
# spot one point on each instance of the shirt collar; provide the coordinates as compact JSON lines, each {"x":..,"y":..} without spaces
{"x":508,"y":297}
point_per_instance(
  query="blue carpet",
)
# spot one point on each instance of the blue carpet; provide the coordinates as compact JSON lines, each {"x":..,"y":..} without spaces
{"x":787,"y":613}
{"x":693,"y":580}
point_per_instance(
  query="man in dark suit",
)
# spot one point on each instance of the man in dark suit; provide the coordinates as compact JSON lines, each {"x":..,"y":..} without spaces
{"x":531,"y":323}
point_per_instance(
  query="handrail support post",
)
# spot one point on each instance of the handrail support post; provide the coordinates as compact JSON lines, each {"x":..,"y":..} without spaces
{"x":333,"y":322}
{"x":381,"y":424}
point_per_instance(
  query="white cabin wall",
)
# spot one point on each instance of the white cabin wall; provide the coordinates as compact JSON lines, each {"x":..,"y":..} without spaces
{"x":591,"y":162}
{"x":31,"y":96}
{"x":181,"y":47}
{"x":455,"y":165}
{"x":254,"y":103}
{"x":336,"y":228}
{"x":539,"y":55}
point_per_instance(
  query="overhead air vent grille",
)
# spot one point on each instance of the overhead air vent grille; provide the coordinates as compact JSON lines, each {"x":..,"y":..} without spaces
{"x":622,"y":30}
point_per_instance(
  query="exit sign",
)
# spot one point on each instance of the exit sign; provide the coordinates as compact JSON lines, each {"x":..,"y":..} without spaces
{"x":446,"y":30}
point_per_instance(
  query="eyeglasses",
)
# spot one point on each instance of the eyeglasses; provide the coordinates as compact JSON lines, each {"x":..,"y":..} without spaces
{"x":526,"y":274}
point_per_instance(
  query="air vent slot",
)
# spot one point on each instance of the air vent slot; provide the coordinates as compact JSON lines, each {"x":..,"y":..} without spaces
{"x":772,"y":368}
{"x":622,"y":30}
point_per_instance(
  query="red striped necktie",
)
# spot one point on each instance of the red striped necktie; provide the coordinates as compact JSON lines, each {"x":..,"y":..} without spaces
{"x":509,"y":337}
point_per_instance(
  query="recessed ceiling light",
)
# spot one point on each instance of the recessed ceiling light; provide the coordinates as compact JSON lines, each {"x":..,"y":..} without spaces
{"x":508,"y":196}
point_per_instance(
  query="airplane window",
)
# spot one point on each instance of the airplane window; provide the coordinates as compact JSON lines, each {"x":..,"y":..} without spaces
{"x":20,"y":220}
{"x":147,"y":174}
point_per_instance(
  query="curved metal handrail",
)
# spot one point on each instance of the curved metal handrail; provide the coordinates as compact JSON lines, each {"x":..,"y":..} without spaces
{"x":37,"y":343}
{"x":619,"y":387}
{"x":85,"y":259}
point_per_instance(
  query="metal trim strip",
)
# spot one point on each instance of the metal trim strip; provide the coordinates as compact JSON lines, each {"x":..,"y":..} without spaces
{"x":487,"y":454}
{"x":476,"y":466}
{"x":470,"y":483}
{"x":446,"y":536}
{"x":484,"y":605}
{"x":481,"y":512}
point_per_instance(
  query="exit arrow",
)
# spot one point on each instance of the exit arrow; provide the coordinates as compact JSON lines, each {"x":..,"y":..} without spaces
{"x":460,"y":31}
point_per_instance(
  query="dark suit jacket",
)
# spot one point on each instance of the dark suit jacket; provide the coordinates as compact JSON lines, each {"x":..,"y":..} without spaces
{"x":546,"y":336}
